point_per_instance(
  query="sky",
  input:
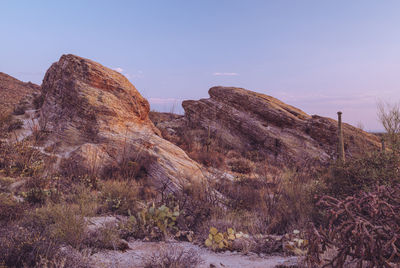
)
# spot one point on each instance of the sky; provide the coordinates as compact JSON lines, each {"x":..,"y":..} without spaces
{"x":320,"y":56}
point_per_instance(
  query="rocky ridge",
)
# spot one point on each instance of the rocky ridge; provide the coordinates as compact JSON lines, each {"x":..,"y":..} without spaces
{"x":246,"y":121}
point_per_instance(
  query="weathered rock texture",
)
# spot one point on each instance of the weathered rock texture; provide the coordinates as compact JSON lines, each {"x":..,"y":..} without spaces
{"x":96,"y":119}
{"x":247,"y":120}
{"x":13,"y":91}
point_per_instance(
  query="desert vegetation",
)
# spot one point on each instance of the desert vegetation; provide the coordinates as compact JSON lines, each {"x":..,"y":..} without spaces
{"x":349,"y":209}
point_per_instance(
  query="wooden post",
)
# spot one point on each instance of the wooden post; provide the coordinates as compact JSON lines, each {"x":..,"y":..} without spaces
{"x":341,"y":155}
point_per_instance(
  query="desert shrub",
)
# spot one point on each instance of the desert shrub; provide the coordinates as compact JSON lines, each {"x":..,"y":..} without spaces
{"x":120,"y":196}
{"x":133,"y":165}
{"x":61,"y":222}
{"x":27,"y":247}
{"x":22,"y":247}
{"x":209,"y":159}
{"x":10,"y":209}
{"x":243,"y":193}
{"x":363,"y":173}
{"x":106,"y":237}
{"x":240,"y":165}
{"x":292,"y":203}
{"x":389,"y":117}
{"x":37,"y":190}
{"x":87,"y":199}
{"x":20,"y":159}
{"x":173,"y":257}
{"x":275,"y":205}
{"x":364,"y":228}
{"x":197,"y":201}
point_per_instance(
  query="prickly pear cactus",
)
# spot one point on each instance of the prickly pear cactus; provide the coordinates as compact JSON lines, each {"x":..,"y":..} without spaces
{"x":220,"y":241}
{"x":162,"y":218}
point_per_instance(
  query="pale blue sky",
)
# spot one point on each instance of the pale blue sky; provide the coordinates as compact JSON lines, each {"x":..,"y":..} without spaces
{"x":321,"y":56}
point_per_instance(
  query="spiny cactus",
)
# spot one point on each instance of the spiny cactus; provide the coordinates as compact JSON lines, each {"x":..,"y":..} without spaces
{"x":217,"y":240}
{"x":161,"y":217}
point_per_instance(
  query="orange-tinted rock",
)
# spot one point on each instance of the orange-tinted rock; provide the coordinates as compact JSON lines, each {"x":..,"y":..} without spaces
{"x":97,"y":119}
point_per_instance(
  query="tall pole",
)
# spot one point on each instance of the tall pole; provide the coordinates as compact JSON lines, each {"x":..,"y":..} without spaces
{"x":341,"y":156}
{"x":383,"y":144}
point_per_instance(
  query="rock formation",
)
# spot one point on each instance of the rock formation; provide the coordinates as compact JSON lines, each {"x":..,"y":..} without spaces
{"x":96,"y":119}
{"x":246,"y":121}
{"x":13,"y":91}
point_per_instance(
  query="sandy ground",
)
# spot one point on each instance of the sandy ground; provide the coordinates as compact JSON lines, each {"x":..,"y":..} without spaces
{"x":136,"y":256}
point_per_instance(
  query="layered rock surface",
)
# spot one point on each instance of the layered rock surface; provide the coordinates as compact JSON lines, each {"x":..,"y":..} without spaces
{"x":247,"y":120}
{"x":13,"y":91}
{"x":96,"y":119}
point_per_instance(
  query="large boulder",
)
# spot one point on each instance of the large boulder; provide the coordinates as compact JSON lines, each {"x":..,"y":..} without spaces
{"x":248,"y":121}
{"x":96,"y":120}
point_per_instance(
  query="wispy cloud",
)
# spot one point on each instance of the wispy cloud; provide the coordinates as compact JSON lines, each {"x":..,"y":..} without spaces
{"x":129,"y":75}
{"x":339,"y":99}
{"x":225,"y":74}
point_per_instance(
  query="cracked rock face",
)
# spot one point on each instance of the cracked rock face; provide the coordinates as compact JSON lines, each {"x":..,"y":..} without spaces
{"x":250,"y":121}
{"x":95,"y":118}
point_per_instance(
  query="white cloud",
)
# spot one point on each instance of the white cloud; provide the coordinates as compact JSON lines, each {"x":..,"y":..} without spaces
{"x":119,"y":69}
{"x":225,"y":74}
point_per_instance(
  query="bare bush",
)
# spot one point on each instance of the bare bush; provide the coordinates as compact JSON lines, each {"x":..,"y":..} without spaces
{"x":389,"y":116}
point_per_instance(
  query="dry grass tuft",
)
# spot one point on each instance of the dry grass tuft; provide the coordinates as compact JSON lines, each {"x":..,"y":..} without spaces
{"x":173,"y":257}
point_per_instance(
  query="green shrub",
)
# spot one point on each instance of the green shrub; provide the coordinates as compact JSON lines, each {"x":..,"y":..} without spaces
{"x":120,"y":196}
{"x":363,"y":174}
{"x":61,"y":222}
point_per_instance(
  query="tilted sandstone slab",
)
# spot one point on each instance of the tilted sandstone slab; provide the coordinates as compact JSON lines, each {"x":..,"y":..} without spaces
{"x":247,"y":120}
{"x":96,"y":119}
